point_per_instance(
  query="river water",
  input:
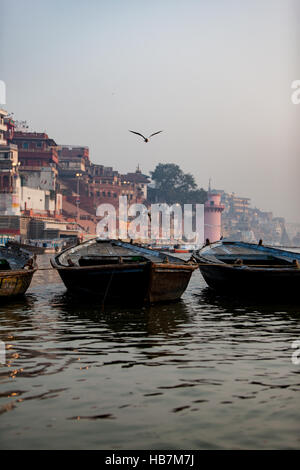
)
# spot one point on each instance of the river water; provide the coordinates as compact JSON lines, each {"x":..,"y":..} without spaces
{"x":202,"y":373}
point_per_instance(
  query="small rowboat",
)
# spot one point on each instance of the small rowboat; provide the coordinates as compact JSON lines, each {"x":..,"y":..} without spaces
{"x":16,"y":270}
{"x":120,"y":271}
{"x":249,"y":268}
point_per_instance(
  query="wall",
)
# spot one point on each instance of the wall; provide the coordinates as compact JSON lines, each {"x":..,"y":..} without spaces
{"x":43,"y":179}
{"x":9,"y":204}
{"x":37,"y":200}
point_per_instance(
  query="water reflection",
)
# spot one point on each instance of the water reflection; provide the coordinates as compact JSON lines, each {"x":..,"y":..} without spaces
{"x":149,"y":319}
{"x":158,"y":376}
{"x":240,"y":304}
{"x":15,"y":314}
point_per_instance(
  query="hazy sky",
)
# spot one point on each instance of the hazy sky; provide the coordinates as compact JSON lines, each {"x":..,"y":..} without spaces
{"x":215,"y":75}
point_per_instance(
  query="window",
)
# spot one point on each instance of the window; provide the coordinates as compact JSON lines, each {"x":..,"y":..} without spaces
{"x":25,"y":145}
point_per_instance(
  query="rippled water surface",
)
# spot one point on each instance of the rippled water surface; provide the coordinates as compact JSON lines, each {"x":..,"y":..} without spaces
{"x":205,"y":372}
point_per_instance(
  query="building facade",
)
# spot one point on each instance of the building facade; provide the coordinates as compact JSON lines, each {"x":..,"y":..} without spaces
{"x":9,"y":176}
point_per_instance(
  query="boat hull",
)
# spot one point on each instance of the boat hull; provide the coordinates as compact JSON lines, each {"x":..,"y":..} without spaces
{"x":15,"y":283}
{"x":131,"y":284}
{"x":250,"y":281}
{"x":168,"y":282}
{"x":109,"y":283}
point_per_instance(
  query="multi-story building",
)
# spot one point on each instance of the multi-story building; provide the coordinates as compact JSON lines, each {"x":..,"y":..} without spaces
{"x":3,"y":127}
{"x":72,"y":160}
{"x":59,"y":180}
{"x":140,"y":182}
{"x":36,"y":150}
{"x":9,"y":176}
{"x":242,"y":222}
{"x":37,"y":168}
{"x":89,"y":185}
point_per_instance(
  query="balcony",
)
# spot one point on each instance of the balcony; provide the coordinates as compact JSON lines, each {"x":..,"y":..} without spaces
{"x":41,"y":155}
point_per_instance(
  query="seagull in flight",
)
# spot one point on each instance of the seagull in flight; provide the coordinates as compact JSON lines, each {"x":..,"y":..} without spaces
{"x":146,"y":139}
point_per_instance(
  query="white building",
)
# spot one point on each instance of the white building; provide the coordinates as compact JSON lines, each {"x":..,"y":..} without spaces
{"x":40,"y":201}
{"x":9,"y":178}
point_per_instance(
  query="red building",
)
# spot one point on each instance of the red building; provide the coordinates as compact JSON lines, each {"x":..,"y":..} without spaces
{"x":36,"y":149}
{"x":73,"y":160}
{"x":140,"y":182}
{"x":97,"y":184}
{"x":84,"y":185}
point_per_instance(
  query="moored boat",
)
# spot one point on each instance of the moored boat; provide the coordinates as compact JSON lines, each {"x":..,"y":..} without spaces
{"x":116,"y":270}
{"x":238,"y":267}
{"x":184,"y":248}
{"x":16,"y":270}
{"x":40,"y":247}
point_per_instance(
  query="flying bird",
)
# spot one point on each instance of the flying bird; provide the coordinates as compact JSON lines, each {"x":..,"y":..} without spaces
{"x":146,"y":139}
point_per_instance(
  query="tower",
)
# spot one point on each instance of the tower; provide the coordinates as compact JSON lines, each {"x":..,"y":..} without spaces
{"x":212,"y":215}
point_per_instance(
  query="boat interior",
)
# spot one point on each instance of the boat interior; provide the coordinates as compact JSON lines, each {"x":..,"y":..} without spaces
{"x":102,"y":252}
{"x":236,"y":254}
{"x":13,"y":259}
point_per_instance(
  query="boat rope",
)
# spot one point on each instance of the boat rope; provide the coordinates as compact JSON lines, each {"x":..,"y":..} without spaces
{"x":106,"y":292}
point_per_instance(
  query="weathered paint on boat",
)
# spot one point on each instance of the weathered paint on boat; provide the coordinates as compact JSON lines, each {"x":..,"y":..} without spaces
{"x":168,"y":282}
{"x":13,"y":283}
{"x":16,"y":270}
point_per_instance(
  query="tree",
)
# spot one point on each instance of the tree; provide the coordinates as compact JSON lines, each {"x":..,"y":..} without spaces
{"x":172,"y":186}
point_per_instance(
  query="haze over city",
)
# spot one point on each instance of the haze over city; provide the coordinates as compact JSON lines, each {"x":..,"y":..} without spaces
{"x":149,"y":228}
{"x":215,"y":76}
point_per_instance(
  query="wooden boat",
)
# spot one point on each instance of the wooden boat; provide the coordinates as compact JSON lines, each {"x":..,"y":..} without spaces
{"x":116,"y":270}
{"x":161,"y":248}
{"x":40,"y":247}
{"x":241,"y":267}
{"x":184,"y":248}
{"x":16,"y":270}
{"x":38,"y":250}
